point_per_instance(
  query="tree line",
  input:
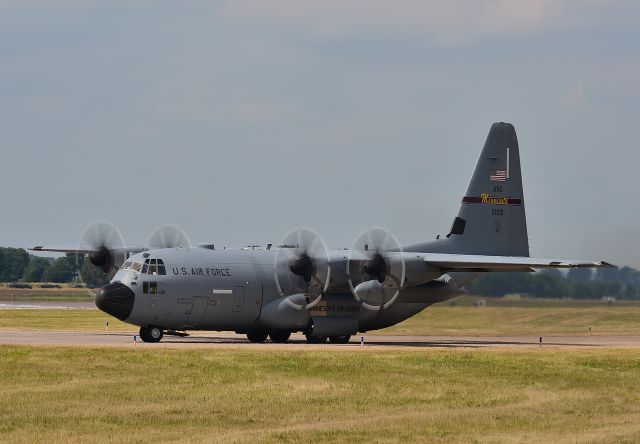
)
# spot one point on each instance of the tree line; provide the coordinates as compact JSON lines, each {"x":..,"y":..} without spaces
{"x":17,"y":265}
{"x":577,"y":283}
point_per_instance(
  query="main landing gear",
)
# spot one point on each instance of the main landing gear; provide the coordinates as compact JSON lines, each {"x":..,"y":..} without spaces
{"x":151,"y":333}
{"x":282,"y":336}
{"x":315,"y":339}
{"x":257,"y":335}
{"x":278,"y":336}
{"x":344,"y":339}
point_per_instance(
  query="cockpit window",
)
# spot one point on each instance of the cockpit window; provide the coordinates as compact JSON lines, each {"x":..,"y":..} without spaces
{"x":126,"y":265}
{"x":161,"y":269}
{"x":136,"y":266}
{"x":154,"y":267}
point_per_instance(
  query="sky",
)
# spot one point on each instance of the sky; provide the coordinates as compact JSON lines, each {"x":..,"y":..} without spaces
{"x":242,"y":120}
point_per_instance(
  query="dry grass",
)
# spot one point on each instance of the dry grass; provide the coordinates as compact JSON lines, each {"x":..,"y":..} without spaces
{"x":64,"y":294}
{"x":499,"y":318}
{"x":57,"y":319}
{"x":368,"y":395}
{"x":537,"y":321}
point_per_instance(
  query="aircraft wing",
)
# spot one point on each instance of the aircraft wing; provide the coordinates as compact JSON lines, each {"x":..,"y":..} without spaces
{"x":463,"y":262}
{"x":65,"y":249}
{"x":81,"y":249}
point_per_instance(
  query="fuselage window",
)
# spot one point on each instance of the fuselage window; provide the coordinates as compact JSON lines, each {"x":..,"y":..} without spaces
{"x":150,"y":287}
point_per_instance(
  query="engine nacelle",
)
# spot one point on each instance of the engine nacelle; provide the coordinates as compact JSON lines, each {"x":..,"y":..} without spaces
{"x":417,"y":271}
{"x":286,"y":313}
{"x":105,"y":258}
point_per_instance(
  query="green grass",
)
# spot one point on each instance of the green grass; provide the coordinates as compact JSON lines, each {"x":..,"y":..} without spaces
{"x":517,"y":301}
{"x":149,"y":394}
{"x":48,"y":298}
{"x":502,"y":321}
{"x":58,"y":319}
{"x":65,"y":294}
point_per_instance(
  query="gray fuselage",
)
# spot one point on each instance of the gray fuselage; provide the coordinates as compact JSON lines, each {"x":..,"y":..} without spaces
{"x":237,"y":290}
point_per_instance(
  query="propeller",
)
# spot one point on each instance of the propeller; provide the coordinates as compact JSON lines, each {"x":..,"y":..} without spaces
{"x":107,"y":244}
{"x":168,"y":236}
{"x":302,"y":266}
{"x":376,"y":269}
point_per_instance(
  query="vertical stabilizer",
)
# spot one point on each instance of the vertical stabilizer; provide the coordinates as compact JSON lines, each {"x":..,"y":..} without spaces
{"x":491,"y":219}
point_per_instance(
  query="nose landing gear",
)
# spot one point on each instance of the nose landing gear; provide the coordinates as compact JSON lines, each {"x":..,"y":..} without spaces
{"x":151,"y":333}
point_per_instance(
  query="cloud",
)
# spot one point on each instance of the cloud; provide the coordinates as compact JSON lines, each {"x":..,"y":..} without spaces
{"x":445,"y":21}
{"x":441,"y":22}
{"x":576,"y":97}
{"x":600,"y":85}
{"x":66,"y":5}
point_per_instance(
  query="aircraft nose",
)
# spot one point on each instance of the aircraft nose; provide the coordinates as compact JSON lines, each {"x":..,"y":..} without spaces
{"x":116,"y":299}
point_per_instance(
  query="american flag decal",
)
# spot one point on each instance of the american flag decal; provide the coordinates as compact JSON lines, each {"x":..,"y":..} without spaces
{"x":498,"y":175}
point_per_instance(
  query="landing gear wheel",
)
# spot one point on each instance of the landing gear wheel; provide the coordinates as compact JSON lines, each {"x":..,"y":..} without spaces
{"x":279,"y":336}
{"x":344,"y":339}
{"x":151,"y":333}
{"x":257,"y":336}
{"x":316,"y":339}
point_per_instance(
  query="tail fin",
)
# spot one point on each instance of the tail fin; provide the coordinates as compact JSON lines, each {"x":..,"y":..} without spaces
{"x":491,"y":220}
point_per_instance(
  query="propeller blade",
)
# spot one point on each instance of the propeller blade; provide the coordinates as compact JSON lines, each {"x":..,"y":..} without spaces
{"x":108,"y":248}
{"x":302,"y":266}
{"x":375,"y":272}
{"x":168,"y":236}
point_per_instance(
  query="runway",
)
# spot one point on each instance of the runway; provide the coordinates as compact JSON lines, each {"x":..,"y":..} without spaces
{"x":222,"y":340}
{"x":47,"y":305}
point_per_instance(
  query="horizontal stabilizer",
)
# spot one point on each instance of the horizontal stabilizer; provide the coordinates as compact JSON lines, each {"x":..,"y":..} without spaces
{"x":462,"y":262}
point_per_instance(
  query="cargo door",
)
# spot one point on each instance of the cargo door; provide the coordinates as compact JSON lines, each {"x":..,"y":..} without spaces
{"x":238,"y":299}
{"x":198,"y":310}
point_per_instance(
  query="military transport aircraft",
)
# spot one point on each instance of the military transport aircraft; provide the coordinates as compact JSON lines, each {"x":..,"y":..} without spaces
{"x":170,"y":287}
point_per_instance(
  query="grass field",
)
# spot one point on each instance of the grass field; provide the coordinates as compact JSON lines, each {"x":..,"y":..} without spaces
{"x":526,"y":317}
{"x":500,"y":317}
{"x":81,"y":394}
{"x":56,"y":319}
{"x":64,"y":294}
{"x":357,"y":395}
